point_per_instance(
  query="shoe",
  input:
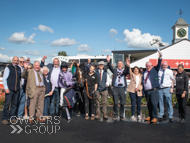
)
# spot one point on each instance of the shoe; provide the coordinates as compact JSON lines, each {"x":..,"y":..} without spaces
{"x":133,"y":118}
{"x":97,"y":116}
{"x":183,"y":121}
{"x":13,"y":121}
{"x":139,"y":118}
{"x":170,"y":120}
{"x":40,"y":120}
{"x":69,"y":120}
{"x":154,"y":120}
{"x":25,"y":117}
{"x":92,"y":118}
{"x":147,"y":119}
{"x":178,"y":121}
{"x":115,"y":118}
{"x":79,"y":114}
{"x":122,"y":119}
{"x":30,"y":121}
{"x":160,"y":119}
{"x":105,"y":116}
{"x":5,"y":122}
{"x":86,"y":117}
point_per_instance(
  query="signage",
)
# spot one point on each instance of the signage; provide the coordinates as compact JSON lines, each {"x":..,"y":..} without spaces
{"x":173,"y":63}
{"x":62,"y":58}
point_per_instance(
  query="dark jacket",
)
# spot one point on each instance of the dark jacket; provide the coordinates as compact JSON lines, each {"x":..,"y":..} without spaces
{"x":47,"y":84}
{"x":50,"y":66}
{"x":114,"y":71}
{"x":154,"y":75}
{"x":102,"y":83}
{"x":182,"y":83}
{"x":13,"y":80}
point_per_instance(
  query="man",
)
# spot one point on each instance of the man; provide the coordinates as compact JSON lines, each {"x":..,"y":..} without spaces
{"x":88,"y":64}
{"x":102,"y":91}
{"x":11,"y":83}
{"x":166,"y":81}
{"x":35,"y":90}
{"x":54,"y":70}
{"x":119,"y":85}
{"x":22,"y":97}
{"x":28,"y":61}
{"x":150,"y":84}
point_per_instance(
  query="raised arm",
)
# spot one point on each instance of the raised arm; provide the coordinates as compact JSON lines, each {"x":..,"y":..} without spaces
{"x":159,"y":62}
{"x":25,"y":71}
{"x":109,"y":64}
{"x":126,"y":71}
{"x":43,"y":61}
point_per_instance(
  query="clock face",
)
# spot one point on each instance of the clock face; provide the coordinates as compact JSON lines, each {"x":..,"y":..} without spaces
{"x":181,"y":32}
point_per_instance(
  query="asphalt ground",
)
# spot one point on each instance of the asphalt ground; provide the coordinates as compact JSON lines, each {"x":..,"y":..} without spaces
{"x":80,"y":130}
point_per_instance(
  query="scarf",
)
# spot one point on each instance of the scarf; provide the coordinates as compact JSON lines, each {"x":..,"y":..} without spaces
{"x":119,"y":74}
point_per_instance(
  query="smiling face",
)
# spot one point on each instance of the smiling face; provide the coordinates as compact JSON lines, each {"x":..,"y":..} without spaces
{"x":92,"y":69}
{"x":36,"y":66}
{"x":15,"y":61}
{"x":180,"y":69}
{"x":164,"y":65}
{"x":45,"y":71}
{"x":120,"y":65}
{"x":56,"y":63}
{"x":136,"y":71}
{"x":21,"y":62}
{"x":64,"y":69}
{"x":101,"y":67}
{"x":149,"y":66}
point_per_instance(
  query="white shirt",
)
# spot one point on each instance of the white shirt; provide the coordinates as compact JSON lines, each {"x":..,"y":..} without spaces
{"x":168,"y":77}
{"x":147,"y":85}
{"x":108,"y":78}
{"x":55,"y":77}
{"x":137,"y":80}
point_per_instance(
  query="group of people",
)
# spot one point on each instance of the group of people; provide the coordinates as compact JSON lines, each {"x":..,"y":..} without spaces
{"x":43,"y":88}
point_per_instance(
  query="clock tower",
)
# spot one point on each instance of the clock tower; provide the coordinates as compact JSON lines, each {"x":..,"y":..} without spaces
{"x":180,"y":30}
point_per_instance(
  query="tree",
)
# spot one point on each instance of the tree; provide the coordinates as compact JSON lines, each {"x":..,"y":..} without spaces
{"x":62,"y":53}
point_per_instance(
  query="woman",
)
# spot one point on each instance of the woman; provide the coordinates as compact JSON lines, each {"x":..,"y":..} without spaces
{"x":48,"y":91}
{"x":182,"y":82}
{"x":91,"y":84}
{"x":135,"y":91}
{"x":80,"y":79}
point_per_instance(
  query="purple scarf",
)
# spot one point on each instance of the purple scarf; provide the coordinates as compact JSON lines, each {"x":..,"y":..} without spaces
{"x":119,"y":74}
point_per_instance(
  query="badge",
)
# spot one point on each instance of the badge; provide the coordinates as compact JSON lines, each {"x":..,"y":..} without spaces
{"x":93,"y":77}
{"x":47,"y":80}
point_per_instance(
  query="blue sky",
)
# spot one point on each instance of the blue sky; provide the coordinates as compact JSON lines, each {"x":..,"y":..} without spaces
{"x":92,"y":27}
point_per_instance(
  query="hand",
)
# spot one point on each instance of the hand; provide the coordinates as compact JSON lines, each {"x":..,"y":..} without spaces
{"x":50,"y":93}
{"x":94,"y":91}
{"x":25,"y":65}
{"x":160,"y":56}
{"x":7,"y":91}
{"x":85,"y":80}
{"x":136,"y":89}
{"x":183,"y":95}
{"x":127,"y":61}
{"x":108,"y":58}
{"x":171,"y":90}
{"x":43,"y":59}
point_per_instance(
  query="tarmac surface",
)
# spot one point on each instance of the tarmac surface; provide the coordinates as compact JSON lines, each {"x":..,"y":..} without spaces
{"x":80,"y":130}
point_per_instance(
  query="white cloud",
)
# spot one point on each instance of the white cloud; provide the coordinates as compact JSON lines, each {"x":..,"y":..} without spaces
{"x":119,"y":40}
{"x":44,"y":28}
{"x":106,"y":50}
{"x":2,"y":48}
{"x":44,"y":42}
{"x":32,"y":52}
{"x":5,"y":58}
{"x":64,"y":42}
{"x":19,"y":38}
{"x":83,"y":48}
{"x":135,"y":39}
{"x":113,"y":32}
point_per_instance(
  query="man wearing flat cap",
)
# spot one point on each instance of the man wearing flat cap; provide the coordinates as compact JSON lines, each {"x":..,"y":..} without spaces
{"x":104,"y":81}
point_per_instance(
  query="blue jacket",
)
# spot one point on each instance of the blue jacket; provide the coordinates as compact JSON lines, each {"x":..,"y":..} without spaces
{"x":154,"y":75}
{"x":50,"y":66}
{"x":114,"y":71}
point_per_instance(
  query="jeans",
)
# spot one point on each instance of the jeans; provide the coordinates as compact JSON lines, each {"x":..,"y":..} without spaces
{"x":165,"y":93}
{"x":182,"y":105}
{"x":152,"y":98}
{"x":12,"y":96}
{"x":21,"y":102}
{"x":46,"y":105}
{"x":54,"y":109}
{"x":135,"y":100}
{"x":119,"y":92}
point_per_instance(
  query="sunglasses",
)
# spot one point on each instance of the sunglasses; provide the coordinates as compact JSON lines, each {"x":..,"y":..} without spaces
{"x":21,"y":61}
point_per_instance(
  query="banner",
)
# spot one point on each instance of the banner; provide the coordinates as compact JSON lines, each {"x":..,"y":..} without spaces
{"x":173,"y":63}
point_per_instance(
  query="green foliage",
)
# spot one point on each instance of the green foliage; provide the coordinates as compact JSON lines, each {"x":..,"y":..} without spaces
{"x":62,"y":53}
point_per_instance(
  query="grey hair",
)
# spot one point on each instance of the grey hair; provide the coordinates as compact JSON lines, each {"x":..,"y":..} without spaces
{"x":36,"y":62}
{"x":21,"y":58}
{"x":45,"y":67}
{"x":148,"y":63}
